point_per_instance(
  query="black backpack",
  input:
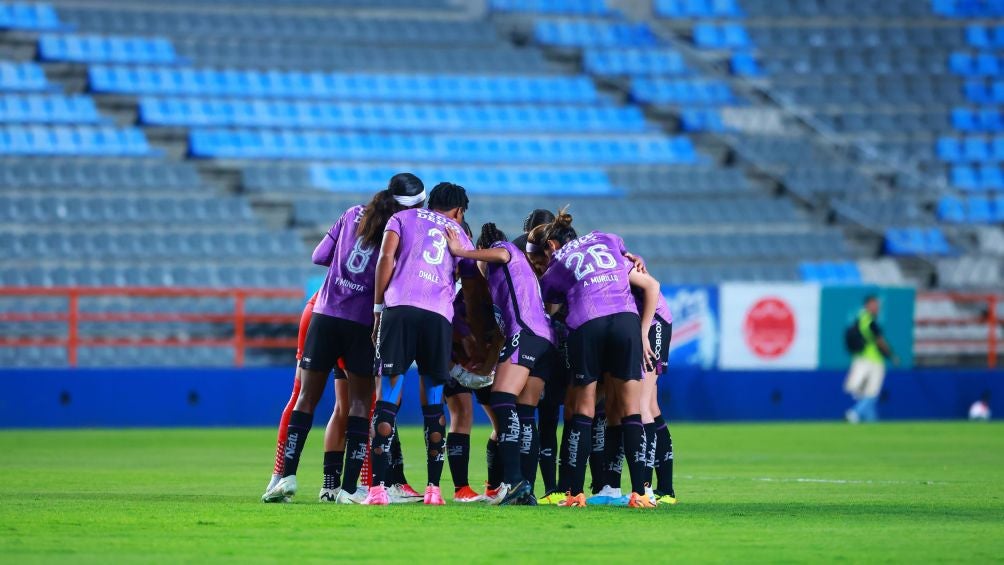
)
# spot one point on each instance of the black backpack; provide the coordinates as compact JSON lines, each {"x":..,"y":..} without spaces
{"x":853,"y":339}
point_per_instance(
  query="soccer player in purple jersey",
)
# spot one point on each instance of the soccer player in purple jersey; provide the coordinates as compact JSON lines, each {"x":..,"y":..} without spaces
{"x":592,"y":275}
{"x":413,"y":307}
{"x":525,"y":363}
{"x":660,"y":442}
{"x":340,"y":327}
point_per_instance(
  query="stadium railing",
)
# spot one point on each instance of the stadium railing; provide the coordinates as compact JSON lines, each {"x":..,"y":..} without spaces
{"x":965,"y":309}
{"x":73,"y":316}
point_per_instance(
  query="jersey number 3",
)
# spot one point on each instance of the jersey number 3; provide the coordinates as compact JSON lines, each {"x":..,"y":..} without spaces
{"x":439,"y":246}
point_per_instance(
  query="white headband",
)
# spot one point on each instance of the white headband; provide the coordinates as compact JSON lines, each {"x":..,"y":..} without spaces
{"x":410,"y":200}
{"x":532,"y":247}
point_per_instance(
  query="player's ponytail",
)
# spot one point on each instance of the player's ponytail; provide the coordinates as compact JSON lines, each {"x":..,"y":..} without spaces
{"x":404,"y":190}
{"x":490,"y":234}
{"x":560,"y":230}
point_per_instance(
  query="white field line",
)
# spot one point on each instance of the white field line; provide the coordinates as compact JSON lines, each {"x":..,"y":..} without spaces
{"x":810,"y":480}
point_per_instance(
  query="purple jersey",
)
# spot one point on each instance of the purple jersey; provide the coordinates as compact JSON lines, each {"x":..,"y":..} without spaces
{"x":460,"y":326}
{"x":516,"y":295}
{"x":347,"y":292}
{"x":590,"y":274}
{"x":424,"y":273}
{"x":661,"y":307}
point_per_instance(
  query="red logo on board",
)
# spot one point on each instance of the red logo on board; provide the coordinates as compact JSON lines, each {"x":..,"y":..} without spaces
{"x":769,"y":328}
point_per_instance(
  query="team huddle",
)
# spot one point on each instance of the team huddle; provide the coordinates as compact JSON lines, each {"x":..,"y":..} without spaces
{"x":551,"y":318}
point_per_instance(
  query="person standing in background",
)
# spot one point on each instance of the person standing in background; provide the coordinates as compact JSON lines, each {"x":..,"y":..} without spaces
{"x":869,"y":350}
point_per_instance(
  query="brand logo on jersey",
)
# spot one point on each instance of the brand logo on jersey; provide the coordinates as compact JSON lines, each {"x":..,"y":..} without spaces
{"x":770,"y":328}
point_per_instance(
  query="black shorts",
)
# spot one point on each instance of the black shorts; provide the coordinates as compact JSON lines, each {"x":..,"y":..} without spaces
{"x":412,"y":335}
{"x":610,"y":344}
{"x":329,"y":338}
{"x":556,"y":386}
{"x":659,"y":336}
{"x":453,"y":388}
{"x":531,"y":351}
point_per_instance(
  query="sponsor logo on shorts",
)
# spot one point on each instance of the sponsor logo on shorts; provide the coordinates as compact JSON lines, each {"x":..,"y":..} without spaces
{"x":529,"y":358}
{"x":580,"y":377}
{"x":306,"y":359}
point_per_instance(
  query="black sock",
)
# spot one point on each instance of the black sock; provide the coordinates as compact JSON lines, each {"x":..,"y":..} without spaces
{"x":435,"y":441}
{"x":650,"y":443}
{"x":634,"y":450}
{"x":597,"y":456}
{"x":504,"y":407}
{"x":614,"y":455}
{"x":492,"y":460}
{"x":357,"y":441}
{"x":548,"y":454}
{"x":529,"y":446}
{"x":397,"y":460}
{"x":296,"y":436}
{"x":384,"y":415}
{"x":458,"y":453}
{"x":333,"y":468}
{"x":564,"y":475}
{"x":664,"y":457}
{"x":579,"y":442}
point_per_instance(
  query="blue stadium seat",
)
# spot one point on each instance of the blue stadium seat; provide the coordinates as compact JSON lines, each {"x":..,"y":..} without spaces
{"x":698,"y":9}
{"x":978,"y":36}
{"x":721,"y":36}
{"x":701,"y":119}
{"x":581,"y":33}
{"x":916,"y":242}
{"x":655,"y":61}
{"x":367,"y":87}
{"x":22,"y":77}
{"x":32,"y":108}
{"x":951,"y":209}
{"x":830,"y":272}
{"x":388,"y":117}
{"x":64,"y":140}
{"x":745,"y":64}
{"x":281,"y":144}
{"x":502,"y":180}
{"x":571,"y":7}
{"x":682,"y":91}
{"x":30,"y":17}
{"x":949,"y":149}
{"x":105,"y":49}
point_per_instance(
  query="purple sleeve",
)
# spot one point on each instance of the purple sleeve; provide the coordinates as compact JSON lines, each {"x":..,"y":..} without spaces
{"x":325,"y":250}
{"x":620,"y":243}
{"x":394,"y":225}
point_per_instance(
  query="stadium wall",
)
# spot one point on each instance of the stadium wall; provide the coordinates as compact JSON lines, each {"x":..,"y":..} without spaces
{"x":63,"y":398}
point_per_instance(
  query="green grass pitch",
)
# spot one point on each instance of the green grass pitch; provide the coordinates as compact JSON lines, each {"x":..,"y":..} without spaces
{"x":906,"y":492}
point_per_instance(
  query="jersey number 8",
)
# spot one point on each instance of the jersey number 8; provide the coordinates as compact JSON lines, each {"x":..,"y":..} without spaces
{"x":359,"y":258}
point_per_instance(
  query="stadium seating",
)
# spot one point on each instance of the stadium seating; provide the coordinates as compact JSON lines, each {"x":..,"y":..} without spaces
{"x":29,"y":17}
{"x":645,"y":61}
{"x":388,"y":117}
{"x":916,"y":241}
{"x":456,"y":88}
{"x":840,"y":272}
{"x":290,"y":144}
{"x":575,"y":7}
{"x":22,"y":77}
{"x":105,"y":49}
{"x":582,"y":33}
{"x":34,"y":108}
{"x":73,"y":140}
